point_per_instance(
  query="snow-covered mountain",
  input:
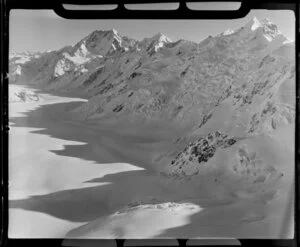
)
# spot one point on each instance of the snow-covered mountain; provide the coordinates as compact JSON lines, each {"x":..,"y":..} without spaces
{"x":240,"y":82}
{"x":167,"y":77}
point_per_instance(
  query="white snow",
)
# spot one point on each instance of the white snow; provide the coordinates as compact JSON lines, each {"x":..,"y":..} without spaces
{"x":23,"y":57}
{"x":77,"y":59}
{"x":157,"y":205}
{"x":18,"y":70}
{"x":21,"y":94}
{"x":228,"y":32}
{"x":161,"y":40}
{"x":158,"y":41}
{"x":129,"y":222}
{"x":268,"y":38}
{"x":115,"y":31}
{"x":83,"y":70}
{"x":12,"y":54}
{"x":159,"y":45}
{"x":22,"y":60}
{"x":82,"y":51}
{"x":117,"y":37}
{"x":61,"y":67}
{"x":164,"y":38}
{"x":64,"y":65}
{"x":256,"y":24}
{"x":288,"y":41}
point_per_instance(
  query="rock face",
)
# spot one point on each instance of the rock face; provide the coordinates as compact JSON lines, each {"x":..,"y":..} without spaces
{"x":197,"y":153}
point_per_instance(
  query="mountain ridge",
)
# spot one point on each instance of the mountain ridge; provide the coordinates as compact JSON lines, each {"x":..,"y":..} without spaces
{"x":157,"y":78}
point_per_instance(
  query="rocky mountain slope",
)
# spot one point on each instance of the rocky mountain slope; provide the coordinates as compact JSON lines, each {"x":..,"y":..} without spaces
{"x":238,"y":84}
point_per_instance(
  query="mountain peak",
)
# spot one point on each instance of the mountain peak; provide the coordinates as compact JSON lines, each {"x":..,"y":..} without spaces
{"x":114,"y":31}
{"x":155,"y":42}
{"x":265,"y":23}
{"x":104,"y":32}
{"x":265,"y":27}
{"x":161,"y":37}
{"x":98,"y":35}
{"x":254,"y":23}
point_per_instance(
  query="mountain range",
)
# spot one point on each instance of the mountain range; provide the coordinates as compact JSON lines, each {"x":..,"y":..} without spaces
{"x":237,"y":84}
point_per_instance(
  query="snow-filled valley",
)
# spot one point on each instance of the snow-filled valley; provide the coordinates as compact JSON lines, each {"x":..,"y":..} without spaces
{"x":119,"y":138}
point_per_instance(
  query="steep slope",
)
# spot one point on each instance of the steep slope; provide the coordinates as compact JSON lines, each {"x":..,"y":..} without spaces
{"x":259,"y":103}
{"x":256,"y":108}
{"x":65,"y":65}
{"x":185,"y":80}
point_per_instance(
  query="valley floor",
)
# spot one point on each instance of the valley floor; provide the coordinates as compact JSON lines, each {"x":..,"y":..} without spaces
{"x":73,"y":179}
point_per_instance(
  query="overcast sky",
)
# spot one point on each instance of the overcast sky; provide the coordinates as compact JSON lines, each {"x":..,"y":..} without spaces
{"x":42,"y":30}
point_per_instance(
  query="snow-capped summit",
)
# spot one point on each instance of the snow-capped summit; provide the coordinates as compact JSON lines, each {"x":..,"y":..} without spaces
{"x":161,"y":37}
{"x":161,"y":40}
{"x":105,"y":42}
{"x":154,"y":43}
{"x":96,"y":45}
{"x":265,"y":23}
{"x":115,"y":31}
{"x":265,"y":31}
{"x":266,"y":26}
{"x":254,"y":23}
{"x":270,"y":29}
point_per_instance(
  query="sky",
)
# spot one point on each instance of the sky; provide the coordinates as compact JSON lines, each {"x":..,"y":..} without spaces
{"x":43,"y":30}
